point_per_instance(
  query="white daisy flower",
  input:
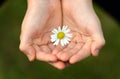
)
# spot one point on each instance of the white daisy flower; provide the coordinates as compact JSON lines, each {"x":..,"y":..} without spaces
{"x":61,"y":35}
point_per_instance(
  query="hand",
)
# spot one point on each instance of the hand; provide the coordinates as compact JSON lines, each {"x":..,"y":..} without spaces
{"x":88,"y":38}
{"x":41,"y":17}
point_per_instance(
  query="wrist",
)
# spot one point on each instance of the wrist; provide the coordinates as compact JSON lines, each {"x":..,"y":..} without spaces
{"x":85,"y":2}
{"x":46,"y":3}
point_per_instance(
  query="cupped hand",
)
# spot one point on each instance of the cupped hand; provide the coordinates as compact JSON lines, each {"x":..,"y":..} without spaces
{"x":41,"y":17}
{"x":85,"y":26}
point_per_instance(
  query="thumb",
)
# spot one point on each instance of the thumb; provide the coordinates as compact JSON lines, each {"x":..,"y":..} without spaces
{"x":97,"y":44}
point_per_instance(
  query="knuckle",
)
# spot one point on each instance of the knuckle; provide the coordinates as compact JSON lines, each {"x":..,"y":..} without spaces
{"x":72,"y":61}
{"x":86,"y":48}
{"x":64,"y":57}
{"x":22,"y":48}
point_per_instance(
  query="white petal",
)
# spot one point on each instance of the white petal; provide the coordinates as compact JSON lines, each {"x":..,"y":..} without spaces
{"x":64,"y":28}
{"x":59,"y":29}
{"x":53,"y":36}
{"x":65,"y":41}
{"x":53,"y":39}
{"x":62,"y":42}
{"x":56,"y":42}
{"x":54,"y":31}
{"x":68,"y":39}
{"x":69,"y":35}
{"x":67,"y":31}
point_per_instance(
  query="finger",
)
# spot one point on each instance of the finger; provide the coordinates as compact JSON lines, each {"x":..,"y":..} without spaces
{"x":58,"y":49}
{"x":97,"y":44}
{"x":45,"y":48}
{"x":82,"y":54}
{"x":68,"y":48}
{"x":66,"y":53}
{"x":51,"y":46}
{"x":28,"y":50}
{"x":59,"y":65}
{"x":44,"y":55}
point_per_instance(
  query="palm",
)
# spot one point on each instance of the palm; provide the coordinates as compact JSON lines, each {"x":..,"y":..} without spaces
{"x":86,"y":29}
{"x":43,"y":16}
{"x":36,"y":30}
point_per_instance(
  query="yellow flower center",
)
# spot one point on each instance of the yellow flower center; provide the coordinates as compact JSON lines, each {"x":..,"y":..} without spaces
{"x":60,"y":35}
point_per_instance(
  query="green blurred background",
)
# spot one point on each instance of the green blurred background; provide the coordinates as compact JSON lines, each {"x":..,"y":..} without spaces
{"x":15,"y":65}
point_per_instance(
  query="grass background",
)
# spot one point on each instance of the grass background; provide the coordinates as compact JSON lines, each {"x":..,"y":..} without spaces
{"x":14,"y":64}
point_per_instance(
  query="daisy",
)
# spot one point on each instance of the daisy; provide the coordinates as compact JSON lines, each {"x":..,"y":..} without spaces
{"x":61,"y":35}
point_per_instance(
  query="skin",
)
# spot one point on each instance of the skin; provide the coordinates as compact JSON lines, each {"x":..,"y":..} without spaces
{"x":86,"y":29}
{"x":41,"y":17}
{"x":44,"y":15}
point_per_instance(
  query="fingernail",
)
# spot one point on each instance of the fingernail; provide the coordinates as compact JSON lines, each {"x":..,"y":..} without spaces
{"x":30,"y":57}
{"x":96,"y":52}
{"x":52,"y":60}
